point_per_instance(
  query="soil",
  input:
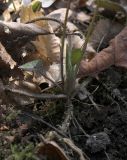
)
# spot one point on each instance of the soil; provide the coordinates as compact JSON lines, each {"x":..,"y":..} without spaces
{"x":98,"y":126}
{"x":109,"y":123}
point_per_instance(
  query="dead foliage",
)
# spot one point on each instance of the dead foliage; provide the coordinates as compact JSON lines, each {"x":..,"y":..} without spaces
{"x":115,"y":54}
{"x":45,"y":48}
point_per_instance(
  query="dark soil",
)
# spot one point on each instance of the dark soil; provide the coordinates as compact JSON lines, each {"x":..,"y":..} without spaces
{"x":106,"y":128}
{"x":109,"y":93}
{"x":112,"y":117}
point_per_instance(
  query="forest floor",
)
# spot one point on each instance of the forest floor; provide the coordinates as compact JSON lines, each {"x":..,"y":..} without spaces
{"x":96,"y":129}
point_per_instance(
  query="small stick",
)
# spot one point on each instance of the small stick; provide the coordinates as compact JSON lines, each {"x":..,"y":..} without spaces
{"x":37,"y":118}
{"x":35,"y":95}
{"x":85,"y":134}
{"x":44,"y":18}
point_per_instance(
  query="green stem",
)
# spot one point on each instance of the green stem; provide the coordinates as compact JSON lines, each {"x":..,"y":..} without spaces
{"x":88,"y":35}
{"x":90,"y":29}
{"x":63,"y":40}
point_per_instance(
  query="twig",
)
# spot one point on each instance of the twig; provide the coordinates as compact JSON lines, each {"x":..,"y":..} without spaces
{"x":90,"y":29}
{"x":107,"y":155}
{"x":35,"y":95}
{"x":92,"y":101}
{"x":45,"y":18}
{"x":62,"y":42}
{"x":75,"y":148}
{"x":53,"y":135}
{"x":86,"y":135}
{"x":37,"y":118}
{"x":67,"y":117}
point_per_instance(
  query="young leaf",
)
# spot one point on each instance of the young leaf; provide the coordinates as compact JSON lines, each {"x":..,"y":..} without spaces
{"x":76,"y":56}
{"x":36,"y":5}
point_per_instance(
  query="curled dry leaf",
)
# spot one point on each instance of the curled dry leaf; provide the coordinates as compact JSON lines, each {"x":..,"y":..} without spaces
{"x":52,"y":72}
{"x":15,"y":35}
{"x":115,"y":54}
{"x":51,"y":150}
{"x":48,"y":47}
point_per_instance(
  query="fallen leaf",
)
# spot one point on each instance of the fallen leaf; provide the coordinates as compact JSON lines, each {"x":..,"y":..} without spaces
{"x":59,"y":14}
{"x":53,"y":73}
{"x":103,"y":32}
{"x":6,"y":16}
{"x":41,"y":71}
{"x":47,"y":3}
{"x":14,"y":36}
{"x":48,"y":46}
{"x":15,"y":3}
{"x":51,"y":150}
{"x":115,"y":54}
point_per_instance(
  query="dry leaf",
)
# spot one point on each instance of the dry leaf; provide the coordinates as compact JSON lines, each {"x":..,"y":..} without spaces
{"x":6,"y":16}
{"x":103,"y":32}
{"x":52,"y":72}
{"x":47,"y":3}
{"x":48,"y":46}
{"x":51,"y":150}
{"x":17,"y":6}
{"x":59,"y":14}
{"x":115,"y":54}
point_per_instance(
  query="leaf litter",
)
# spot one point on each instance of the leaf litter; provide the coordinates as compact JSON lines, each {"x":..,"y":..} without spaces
{"x":27,"y":114}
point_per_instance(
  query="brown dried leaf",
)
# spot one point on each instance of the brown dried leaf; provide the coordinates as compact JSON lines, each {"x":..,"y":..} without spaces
{"x":115,"y":54}
{"x":47,"y":46}
{"x":103,"y":32}
{"x":59,"y":14}
{"x":6,"y":16}
{"x":51,"y":150}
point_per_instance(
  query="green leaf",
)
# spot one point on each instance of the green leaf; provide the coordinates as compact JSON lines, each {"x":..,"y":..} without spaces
{"x":32,"y":66}
{"x":76,"y":56}
{"x":36,"y":5}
